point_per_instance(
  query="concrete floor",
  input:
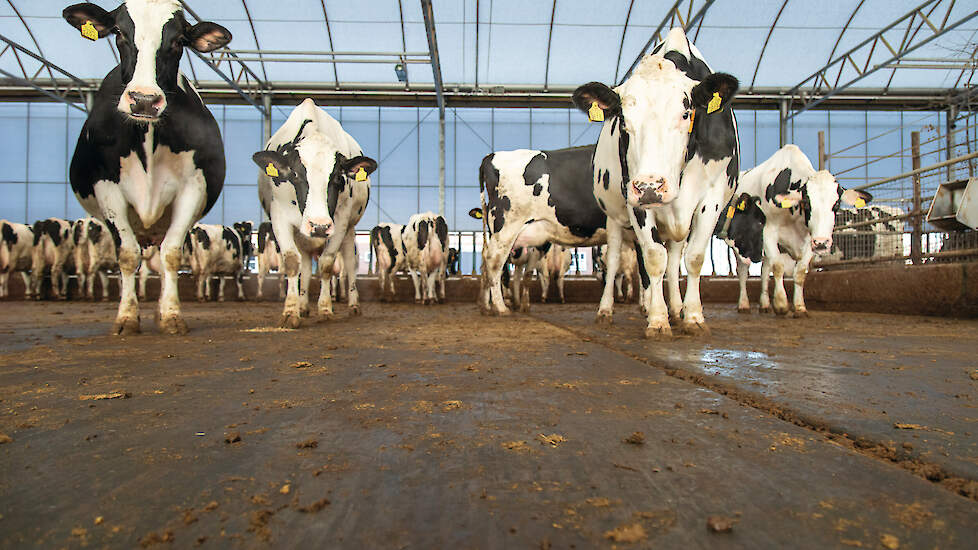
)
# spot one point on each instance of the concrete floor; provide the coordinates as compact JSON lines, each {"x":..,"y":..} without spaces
{"x":434,"y":427}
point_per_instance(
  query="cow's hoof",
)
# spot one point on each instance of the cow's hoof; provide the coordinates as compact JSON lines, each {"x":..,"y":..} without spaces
{"x":645,"y":312}
{"x":658,"y":332}
{"x":417,"y":300}
{"x":355,"y":311}
{"x":562,"y":301}
{"x":221,"y":300}
{"x":743,"y":309}
{"x":125,"y":327}
{"x":781,"y":311}
{"x":325,"y":316}
{"x":694,"y":328}
{"x":801,"y":314}
{"x":290,"y":320}
{"x":304,"y":312}
{"x":201,"y":299}
{"x":765,"y":309}
{"x":502,"y":312}
{"x":603,"y":318}
{"x":173,"y":325}
{"x":524,"y":308}
{"x":675,"y":320}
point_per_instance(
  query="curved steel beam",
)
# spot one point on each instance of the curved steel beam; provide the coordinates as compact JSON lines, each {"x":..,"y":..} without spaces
{"x":550,"y":35}
{"x":657,"y":34}
{"x":764,"y":47}
{"x":621,"y":45}
{"x":251,"y":23}
{"x":329,"y":35}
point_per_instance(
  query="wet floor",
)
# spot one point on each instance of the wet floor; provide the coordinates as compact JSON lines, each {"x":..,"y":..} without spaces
{"x":434,"y":427}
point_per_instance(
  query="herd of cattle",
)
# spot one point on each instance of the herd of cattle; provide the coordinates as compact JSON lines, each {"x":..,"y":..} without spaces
{"x":663,"y":178}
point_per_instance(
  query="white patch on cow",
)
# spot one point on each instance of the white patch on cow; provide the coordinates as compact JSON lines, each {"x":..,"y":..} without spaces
{"x":148,"y":16}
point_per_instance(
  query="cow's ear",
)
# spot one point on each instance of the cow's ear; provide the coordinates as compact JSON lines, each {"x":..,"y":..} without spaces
{"x":272,"y":163}
{"x":595,"y":92}
{"x":353,"y":165}
{"x":476,"y":213}
{"x":856,"y":197}
{"x":789,"y":199}
{"x":89,"y":19}
{"x":207,"y":37}
{"x":720,"y":86}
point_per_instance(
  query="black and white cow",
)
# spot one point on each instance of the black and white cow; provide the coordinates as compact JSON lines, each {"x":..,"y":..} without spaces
{"x":223,"y":252}
{"x":95,"y":254}
{"x":526,"y":260}
{"x":556,"y":262}
{"x":269,"y":258}
{"x":532,"y":197}
{"x":150,"y":159}
{"x":454,"y":263}
{"x":153,"y":263}
{"x":314,"y":185}
{"x":389,"y":254}
{"x":425,"y":243}
{"x":784,"y":207}
{"x":626,"y":280}
{"x":666,"y":161}
{"x":16,"y":255}
{"x":882,"y":239}
{"x":53,"y":248}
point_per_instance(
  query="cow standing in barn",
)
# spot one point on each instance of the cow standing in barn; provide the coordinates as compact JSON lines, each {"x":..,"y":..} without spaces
{"x":269,"y":257}
{"x":425,"y":242}
{"x":53,"y":248}
{"x":556,"y":262}
{"x":314,"y":185}
{"x":626,"y":280}
{"x":16,"y":251}
{"x":525,"y":261}
{"x":95,"y":254}
{"x":150,"y":159}
{"x":152,"y":262}
{"x":666,"y":160}
{"x":390,"y":255}
{"x":784,"y":207}
{"x":223,"y":252}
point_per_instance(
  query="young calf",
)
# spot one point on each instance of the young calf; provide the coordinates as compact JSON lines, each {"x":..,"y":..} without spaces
{"x":784,"y":204}
{"x":52,"y":249}
{"x":425,"y":241}
{"x":314,"y":184}
{"x":269,"y":257}
{"x":16,"y":248}
{"x":95,"y":253}
{"x":221,"y":251}
{"x":390,"y":255}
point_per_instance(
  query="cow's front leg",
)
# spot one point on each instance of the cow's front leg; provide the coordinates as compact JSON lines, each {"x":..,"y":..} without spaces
{"x":104,"y":279}
{"x":127,"y":318}
{"x":28,"y":291}
{"x":326,"y":286}
{"x":291,"y":260}
{"x":221,"y":279}
{"x":350,"y":264}
{"x":305,"y":279}
{"x":764,"y":301}
{"x":262,"y":272}
{"x":743,"y":270}
{"x":612,"y":259}
{"x":544,"y":275}
{"x":651,"y":255}
{"x":695,"y":254}
{"x":775,"y":263}
{"x":417,"y":285}
{"x":675,"y":299}
{"x":800,"y":274}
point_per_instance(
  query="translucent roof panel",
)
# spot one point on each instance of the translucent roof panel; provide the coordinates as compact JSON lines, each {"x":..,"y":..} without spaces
{"x":587,"y":40}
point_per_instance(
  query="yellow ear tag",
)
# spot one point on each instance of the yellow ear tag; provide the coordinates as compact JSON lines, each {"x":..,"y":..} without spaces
{"x":785,"y":203}
{"x":692,"y":117}
{"x":860,"y":203}
{"x":742,"y":205}
{"x":271,"y":170}
{"x":89,"y":31}
{"x":361,"y":175}
{"x":730,"y":211}
{"x":595,"y":114}
{"x":714,"y":104}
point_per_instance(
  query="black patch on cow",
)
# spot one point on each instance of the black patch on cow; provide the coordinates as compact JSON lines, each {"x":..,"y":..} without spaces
{"x":504,"y":277}
{"x":623,"y":140}
{"x":782,"y":184}
{"x":535,"y":169}
{"x":601,"y":205}
{"x":202,"y":237}
{"x":265,"y":233}
{"x":517,"y":253}
{"x":244,"y":233}
{"x":39,"y":226}
{"x":232,"y":241}
{"x":606,"y":179}
{"x":571,"y":190}
{"x":94,"y":232}
{"x":53,"y":230}
{"x":77,"y":231}
{"x":640,"y":215}
{"x":9,"y":235}
{"x":746,"y":229}
{"x":337,"y":183}
{"x":545,"y":247}
{"x":642,"y":271}
{"x":441,"y":230}
{"x":454,"y":262}
{"x":422,"y":229}
{"x":497,"y":206}
{"x":387,"y":239}
{"x":537,"y":189}
{"x":116,"y":237}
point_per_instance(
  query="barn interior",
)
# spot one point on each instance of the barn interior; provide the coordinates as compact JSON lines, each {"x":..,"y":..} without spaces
{"x":434,"y":426}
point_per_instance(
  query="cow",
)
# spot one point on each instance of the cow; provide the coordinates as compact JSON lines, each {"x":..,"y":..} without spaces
{"x":556,"y":262}
{"x":626,"y":280}
{"x":313,"y":183}
{"x":150,"y":159}
{"x":526,"y":260}
{"x":882,"y":239}
{"x":454,"y":263}
{"x":269,"y":257}
{"x":16,"y":253}
{"x":784,"y":206}
{"x":425,"y":244}
{"x":530,"y":197}
{"x":52,"y":250}
{"x":95,"y":254}
{"x":152,"y":262}
{"x":335,"y":277}
{"x":390,"y":255}
{"x":666,"y":160}
{"x":220,"y":251}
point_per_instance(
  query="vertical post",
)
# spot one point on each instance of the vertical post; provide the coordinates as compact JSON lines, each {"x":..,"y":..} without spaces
{"x":949,"y":125}
{"x":266,"y":134}
{"x":821,"y":150}
{"x":915,"y":254}
{"x":782,"y":122}
{"x":441,"y":161}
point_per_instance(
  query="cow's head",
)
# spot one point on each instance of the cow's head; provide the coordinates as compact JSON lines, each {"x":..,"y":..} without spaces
{"x":150,"y":36}
{"x":244,"y":232}
{"x":654,"y":113}
{"x":311,"y":173}
{"x":820,"y":198}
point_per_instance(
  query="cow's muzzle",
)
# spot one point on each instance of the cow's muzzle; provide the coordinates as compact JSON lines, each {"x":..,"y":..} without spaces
{"x":650,"y":191}
{"x":821,"y":246}
{"x":320,"y":230}
{"x":145,"y":106}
